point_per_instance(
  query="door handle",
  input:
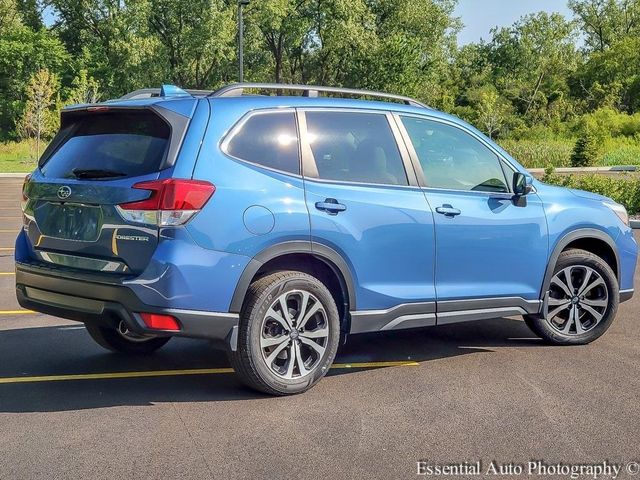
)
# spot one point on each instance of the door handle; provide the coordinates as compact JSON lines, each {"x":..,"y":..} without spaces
{"x":448,"y":211}
{"x":331,"y":206}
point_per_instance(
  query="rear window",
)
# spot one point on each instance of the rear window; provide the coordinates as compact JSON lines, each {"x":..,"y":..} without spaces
{"x":125,"y":143}
{"x":269,"y":139}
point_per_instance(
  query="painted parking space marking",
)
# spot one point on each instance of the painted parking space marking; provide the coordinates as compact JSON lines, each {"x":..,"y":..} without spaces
{"x":7,"y":273}
{"x":177,"y":373}
{"x":16,"y":312}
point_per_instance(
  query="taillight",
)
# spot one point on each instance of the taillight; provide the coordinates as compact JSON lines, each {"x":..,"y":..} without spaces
{"x":172,"y":202}
{"x":157,"y":321}
{"x":25,"y":199}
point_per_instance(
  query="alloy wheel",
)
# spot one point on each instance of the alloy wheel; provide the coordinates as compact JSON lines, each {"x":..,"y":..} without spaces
{"x":294,"y":334}
{"x":577,"y":301}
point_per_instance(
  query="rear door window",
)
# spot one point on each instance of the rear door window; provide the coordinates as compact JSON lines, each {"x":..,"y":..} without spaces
{"x":354,"y":147}
{"x":127,"y":144}
{"x":269,"y":139}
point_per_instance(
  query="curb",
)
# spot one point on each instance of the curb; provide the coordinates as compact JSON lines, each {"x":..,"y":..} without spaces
{"x":614,"y":169}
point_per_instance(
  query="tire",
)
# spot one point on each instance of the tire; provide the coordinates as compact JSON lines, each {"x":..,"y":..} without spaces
{"x":112,"y":339}
{"x":585,"y":315}
{"x":275,"y":354}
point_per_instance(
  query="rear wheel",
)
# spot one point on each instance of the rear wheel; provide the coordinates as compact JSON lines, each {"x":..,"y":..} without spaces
{"x":288,"y":335}
{"x":581,"y":302}
{"x":123,"y":340}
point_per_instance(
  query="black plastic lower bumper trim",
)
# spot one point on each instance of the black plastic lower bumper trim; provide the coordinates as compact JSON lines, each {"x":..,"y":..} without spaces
{"x":108,"y":305}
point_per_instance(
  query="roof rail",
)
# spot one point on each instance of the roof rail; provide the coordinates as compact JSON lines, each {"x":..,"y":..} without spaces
{"x":156,"y":92}
{"x":237,"y":89}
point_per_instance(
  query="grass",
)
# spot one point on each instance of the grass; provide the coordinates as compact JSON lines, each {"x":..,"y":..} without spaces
{"x":18,"y":156}
{"x":542,"y":153}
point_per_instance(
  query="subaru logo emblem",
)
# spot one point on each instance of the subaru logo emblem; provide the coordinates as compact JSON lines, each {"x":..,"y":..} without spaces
{"x":64,"y":192}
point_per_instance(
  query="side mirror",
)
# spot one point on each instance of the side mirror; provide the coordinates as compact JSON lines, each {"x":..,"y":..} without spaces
{"x":522,"y":184}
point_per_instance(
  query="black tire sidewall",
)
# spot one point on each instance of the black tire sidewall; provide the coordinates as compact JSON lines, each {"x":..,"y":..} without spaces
{"x":253,"y":330}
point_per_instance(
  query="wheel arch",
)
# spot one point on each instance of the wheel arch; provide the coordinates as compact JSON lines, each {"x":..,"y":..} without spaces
{"x":290,"y":253}
{"x":589,"y":239}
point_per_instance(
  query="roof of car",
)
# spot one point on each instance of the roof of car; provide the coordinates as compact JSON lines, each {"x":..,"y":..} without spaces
{"x":235,"y":97}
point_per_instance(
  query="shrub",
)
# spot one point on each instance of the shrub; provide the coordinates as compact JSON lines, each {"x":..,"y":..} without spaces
{"x":587,"y":148}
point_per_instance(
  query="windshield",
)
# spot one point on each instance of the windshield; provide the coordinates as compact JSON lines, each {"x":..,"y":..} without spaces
{"x":123,"y":144}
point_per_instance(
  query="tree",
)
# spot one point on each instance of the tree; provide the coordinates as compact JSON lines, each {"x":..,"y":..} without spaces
{"x":9,"y":16}
{"x":492,"y":110}
{"x":197,"y":39}
{"x":23,"y":51}
{"x":282,"y":28}
{"x":30,"y":11}
{"x":611,"y":77}
{"x":38,"y":119}
{"x":84,"y":89}
{"x":531,"y":61}
{"x":606,"y":21}
{"x":587,"y":148}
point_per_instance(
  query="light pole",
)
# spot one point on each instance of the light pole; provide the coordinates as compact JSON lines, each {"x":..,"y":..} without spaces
{"x":241,"y":3}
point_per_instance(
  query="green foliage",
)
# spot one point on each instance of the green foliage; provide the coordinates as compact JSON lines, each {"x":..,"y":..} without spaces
{"x":540,"y":153}
{"x":586,"y":150}
{"x":23,"y":52}
{"x":39,"y":120}
{"x":625,"y":190}
{"x":604,"y":22}
{"x":84,"y":89}
{"x":531,"y":63}
{"x":529,"y":86}
{"x":196,"y":39}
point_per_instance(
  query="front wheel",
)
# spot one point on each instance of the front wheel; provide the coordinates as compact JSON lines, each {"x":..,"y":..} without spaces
{"x":581,"y":302}
{"x":288,"y":335}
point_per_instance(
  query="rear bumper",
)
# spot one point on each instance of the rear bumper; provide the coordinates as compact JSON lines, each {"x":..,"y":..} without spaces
{"x":39,"y":289}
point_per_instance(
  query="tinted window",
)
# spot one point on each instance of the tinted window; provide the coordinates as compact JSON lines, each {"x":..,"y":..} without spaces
{"x":131,"y":143}
{"x":268,"y":139}
{"x":453,"y":159}
{"x":357,"y":147}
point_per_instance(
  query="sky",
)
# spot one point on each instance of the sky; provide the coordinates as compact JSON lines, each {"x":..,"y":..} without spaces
{"x":479,"y":16}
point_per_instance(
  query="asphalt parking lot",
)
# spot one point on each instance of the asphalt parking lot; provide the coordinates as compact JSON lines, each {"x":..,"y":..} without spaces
{"x":477,"y":391}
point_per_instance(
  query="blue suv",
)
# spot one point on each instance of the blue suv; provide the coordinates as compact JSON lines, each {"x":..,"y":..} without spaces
{"x":275,"y":225}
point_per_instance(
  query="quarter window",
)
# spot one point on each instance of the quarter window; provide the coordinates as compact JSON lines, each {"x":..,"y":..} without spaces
{"x":354,"y":147}
{"x":268,"y":139}
{"x":453,"y":159}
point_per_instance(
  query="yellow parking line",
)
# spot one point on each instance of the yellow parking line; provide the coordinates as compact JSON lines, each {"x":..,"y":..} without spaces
{"x":10,"y":231}
{"x":174,"y":373}
{"x":7,"y":249}
{"x":375,"y":364}
{"x":7,"y":273}
{"x":15,"y":312}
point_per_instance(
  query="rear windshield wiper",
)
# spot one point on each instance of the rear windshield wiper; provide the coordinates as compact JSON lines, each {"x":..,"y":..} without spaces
{"x":96,"y":173}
